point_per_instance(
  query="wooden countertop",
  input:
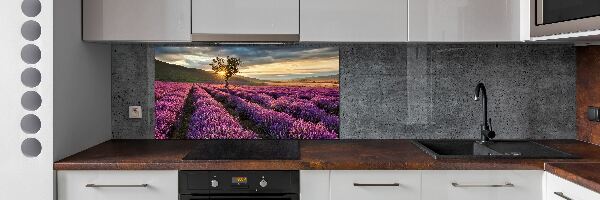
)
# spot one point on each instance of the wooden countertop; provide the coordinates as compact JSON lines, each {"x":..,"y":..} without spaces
{"x":332,"y":155}
{"x":329,"y":155}
{"x":584,"y":174}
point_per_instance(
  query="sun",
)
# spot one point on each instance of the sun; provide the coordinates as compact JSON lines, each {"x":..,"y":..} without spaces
{"x":221,"y":73}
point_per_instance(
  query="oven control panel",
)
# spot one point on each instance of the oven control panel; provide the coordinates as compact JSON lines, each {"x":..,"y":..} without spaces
{"x":239,"y":182}
{"x":228,"y":182}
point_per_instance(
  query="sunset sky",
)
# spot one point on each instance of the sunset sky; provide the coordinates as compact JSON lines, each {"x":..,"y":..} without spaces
{"x":261,"y":62}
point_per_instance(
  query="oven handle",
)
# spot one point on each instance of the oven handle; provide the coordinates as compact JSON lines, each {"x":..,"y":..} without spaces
{"x":249,"y":196}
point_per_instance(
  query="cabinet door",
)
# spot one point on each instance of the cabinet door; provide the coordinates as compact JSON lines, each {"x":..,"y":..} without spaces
{"x":314,"y":185}
{"x":468,"y":20}
{"x":117,"y":185}
{"x":560,"y":189}
{"x":375,"y":185}
{"x":245,"y":17}
{"x":353,"y":20}
{"x":136,"y":20}
{"x":482,"y":184}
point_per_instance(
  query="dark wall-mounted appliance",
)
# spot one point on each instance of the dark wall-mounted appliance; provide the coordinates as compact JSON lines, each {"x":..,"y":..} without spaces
{"x":235,"y":185}
{"x":552,"y":17}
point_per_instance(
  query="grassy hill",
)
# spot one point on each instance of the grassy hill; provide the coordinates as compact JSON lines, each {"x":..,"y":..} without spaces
{"x":319,"y":79}
{"x":176,"y":73}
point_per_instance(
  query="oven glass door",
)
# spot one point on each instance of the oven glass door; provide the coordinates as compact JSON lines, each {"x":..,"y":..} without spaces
{"x":241,"y":197}
{"x":554,"y":11}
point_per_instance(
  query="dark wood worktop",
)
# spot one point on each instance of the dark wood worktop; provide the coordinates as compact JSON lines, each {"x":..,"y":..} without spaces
{"x":584,"y":174}
{"x":330,"y":154}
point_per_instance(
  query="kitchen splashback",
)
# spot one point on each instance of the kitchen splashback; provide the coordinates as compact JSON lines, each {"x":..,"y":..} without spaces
{"x":407,"y":90}
{"x":246,"y":92}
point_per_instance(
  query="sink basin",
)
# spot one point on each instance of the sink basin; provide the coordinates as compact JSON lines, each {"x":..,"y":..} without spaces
{"x":496,"y":149}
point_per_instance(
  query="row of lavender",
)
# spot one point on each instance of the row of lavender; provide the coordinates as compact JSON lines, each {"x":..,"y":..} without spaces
{"x":210,"y":120}
{"x":169,"y":102}
{"x":325,"y":98}
{"x":290,"y":104}
{"x":278,"y":125}
{"x":287,"y":117}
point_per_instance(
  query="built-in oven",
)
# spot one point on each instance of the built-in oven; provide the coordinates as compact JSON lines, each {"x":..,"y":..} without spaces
{"x":552,"y":17}
{"x":238,"y":185}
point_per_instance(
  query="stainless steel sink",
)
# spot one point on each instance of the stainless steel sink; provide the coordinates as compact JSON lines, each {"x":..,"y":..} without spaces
{"x":495,"y":149}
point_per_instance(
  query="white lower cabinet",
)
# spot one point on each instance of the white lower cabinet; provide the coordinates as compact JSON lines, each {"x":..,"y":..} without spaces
{"x":375,"y":185}
{"x":421,"y":185}
{"x":314,"y":184}
{"x":560,"y":189}
{"x":482,"y":185}
{"x":341,"y":185}
{"x":117,"y":185}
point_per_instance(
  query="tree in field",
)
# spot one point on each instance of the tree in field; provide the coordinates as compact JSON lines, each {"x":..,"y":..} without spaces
{"x":226,"y":68}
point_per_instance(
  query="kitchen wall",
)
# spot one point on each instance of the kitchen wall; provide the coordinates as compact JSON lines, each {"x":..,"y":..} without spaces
{"x":409,"y":90}
{"x":588,"y":92}
{"x":81,"y":85}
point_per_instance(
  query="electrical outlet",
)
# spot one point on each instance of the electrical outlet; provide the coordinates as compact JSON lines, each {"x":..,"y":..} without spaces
{"x":593,"y":114}
{"x":135,"y":112}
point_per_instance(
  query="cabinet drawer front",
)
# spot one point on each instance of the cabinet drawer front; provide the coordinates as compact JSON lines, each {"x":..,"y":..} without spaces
{"x":117,"y":185}
{"x":375,"y":185}
{"x":482,"y":184}
{"x":560,"y":189}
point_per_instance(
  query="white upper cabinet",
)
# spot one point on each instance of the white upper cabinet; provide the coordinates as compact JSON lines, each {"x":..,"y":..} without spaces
{"x":245,"y":20}
{"x":468,"y":20}
{"x":307,"y":20}
{"x":353,"y":20}
{"x":136,"y":20}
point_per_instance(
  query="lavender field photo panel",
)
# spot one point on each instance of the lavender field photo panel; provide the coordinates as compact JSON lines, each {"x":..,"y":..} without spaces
{"x":247,"y":92}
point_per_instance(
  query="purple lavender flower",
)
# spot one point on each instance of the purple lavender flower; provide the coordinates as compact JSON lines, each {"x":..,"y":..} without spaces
{"x":168,"y":105}
{"x":279,"y":125}
{"x":210,"y":120}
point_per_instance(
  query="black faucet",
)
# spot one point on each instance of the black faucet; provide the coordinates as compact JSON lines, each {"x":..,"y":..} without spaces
{"x":486,"y":129}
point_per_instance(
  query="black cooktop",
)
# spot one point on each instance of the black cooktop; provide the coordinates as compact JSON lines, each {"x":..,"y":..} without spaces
{"x":245,"y":150}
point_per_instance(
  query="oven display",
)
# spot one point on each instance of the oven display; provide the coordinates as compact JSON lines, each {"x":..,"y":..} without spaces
{"x":239,"y":180}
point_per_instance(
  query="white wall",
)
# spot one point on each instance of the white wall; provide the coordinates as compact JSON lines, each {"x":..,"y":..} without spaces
{"x":24,"y":177}
{"x":76,"y":74}
{"x":82,"y":97}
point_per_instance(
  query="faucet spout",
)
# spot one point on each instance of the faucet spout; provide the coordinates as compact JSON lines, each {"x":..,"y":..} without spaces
{"x":480,"y":94}
{"x":481,"y":88}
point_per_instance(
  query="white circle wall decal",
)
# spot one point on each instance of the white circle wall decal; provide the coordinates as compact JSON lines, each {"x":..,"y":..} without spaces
{"x":31,"y":30}
{"x":31,"y":54}
{"x":31,"y":124}
{"x":31,"y":147}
